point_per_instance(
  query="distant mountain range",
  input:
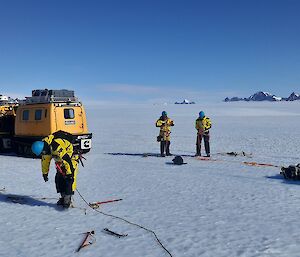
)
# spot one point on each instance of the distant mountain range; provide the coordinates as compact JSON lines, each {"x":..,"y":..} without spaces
{"x":264,"y":96}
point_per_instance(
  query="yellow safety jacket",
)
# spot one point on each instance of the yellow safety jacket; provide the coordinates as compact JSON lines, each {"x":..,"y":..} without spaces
{"x":203,"y":125}
{"x":61,"y":151}
{"x":165,"y":128}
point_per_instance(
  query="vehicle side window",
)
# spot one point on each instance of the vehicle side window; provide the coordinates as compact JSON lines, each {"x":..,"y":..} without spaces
{"x":25,"y":115}
{"x":38,"y":114}
{"x":69,"y":113}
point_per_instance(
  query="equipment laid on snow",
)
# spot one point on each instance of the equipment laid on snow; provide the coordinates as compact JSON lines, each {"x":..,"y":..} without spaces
{"x":96,"y":205}
{"x":260,"y":164}
{"x":129,"y":222}
{"x":114,"y":233}
{"x":178,"y":160}
{"x":291,"y":172}
{"x":42,"y":114}
{"x":204,"y":158}
{"x":237,"y":154}
{"x":88,"y":240}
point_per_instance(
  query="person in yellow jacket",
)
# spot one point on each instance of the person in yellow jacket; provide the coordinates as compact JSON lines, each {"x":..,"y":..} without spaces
{"x":203,"y":124}
{"x":56,"y":146}
{"x":164,"y":123}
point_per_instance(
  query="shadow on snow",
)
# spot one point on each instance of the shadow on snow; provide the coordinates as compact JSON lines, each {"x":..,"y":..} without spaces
{"x":283,"y":180}
{"x":147,"y":154}
{"x":26,"y":200}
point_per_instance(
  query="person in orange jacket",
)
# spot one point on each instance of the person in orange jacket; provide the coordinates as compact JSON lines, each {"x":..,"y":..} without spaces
{"x":164,"y":123}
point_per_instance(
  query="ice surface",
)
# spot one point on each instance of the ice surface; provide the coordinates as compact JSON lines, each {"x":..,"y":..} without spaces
{"x":204,"y":208}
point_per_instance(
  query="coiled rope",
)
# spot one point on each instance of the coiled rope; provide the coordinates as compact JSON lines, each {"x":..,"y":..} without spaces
{"x":127,"y":221}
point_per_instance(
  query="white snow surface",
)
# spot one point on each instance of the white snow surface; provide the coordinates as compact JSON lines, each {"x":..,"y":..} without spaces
{"x":205,"y":208}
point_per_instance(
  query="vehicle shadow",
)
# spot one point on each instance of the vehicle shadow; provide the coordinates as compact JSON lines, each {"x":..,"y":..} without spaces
{"x":14,"y":155}
{"x":26,"y":200}
{"x":9,"y":154}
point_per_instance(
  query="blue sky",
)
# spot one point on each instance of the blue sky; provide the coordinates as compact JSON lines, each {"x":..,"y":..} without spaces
{"x":158,"y":50}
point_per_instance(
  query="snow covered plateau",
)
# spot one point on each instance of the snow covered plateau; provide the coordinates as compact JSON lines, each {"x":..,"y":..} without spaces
{"x":220,"y":207}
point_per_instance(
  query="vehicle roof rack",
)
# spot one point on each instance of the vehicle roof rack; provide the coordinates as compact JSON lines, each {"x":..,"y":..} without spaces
{"x":51,"y":96}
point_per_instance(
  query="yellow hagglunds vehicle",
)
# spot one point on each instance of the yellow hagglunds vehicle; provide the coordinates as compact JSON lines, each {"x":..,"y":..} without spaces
{"x":42,"y":114}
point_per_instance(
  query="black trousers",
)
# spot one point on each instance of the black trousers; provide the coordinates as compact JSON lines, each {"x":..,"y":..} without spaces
{"x":64,"y":184}
{"x":165,"y":146}
{"x":206,"y":143}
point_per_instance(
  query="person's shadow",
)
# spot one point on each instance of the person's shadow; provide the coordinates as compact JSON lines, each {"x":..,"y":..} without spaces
{"x":25,"y":200}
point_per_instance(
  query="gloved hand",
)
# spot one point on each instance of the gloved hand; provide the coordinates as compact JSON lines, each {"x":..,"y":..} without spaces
{"x":45,"y":177}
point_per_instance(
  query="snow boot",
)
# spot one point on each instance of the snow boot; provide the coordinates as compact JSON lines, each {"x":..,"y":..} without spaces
{"x":67,"y":201}
{"x":60,"y":201}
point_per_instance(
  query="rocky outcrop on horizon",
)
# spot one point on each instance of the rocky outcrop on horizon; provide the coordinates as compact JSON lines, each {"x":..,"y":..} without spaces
{"x":293,"y":97}
{"x":185,"y":101}
{"x":264,"y":96}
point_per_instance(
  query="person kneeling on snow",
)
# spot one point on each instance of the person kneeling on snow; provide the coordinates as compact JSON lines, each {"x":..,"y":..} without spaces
{"x":66,"y":162}
{"x":164,"y":123}
{"x":203,"y":124}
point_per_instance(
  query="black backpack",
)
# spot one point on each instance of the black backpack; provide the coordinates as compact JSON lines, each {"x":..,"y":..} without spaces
{"x":178,"y":160}
{"x":291,"y":172}
{"x":64,"y":135}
